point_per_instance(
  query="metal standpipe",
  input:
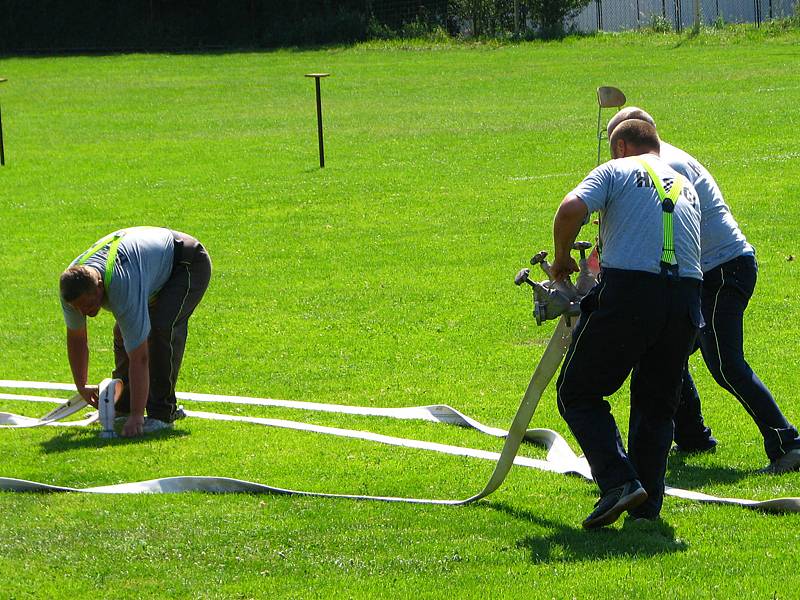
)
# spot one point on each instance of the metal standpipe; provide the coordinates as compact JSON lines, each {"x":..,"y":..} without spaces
{"x":317,"y":77}
{"x":552,"y":299}
{"x":109,"y":393}
{"x":2,"y":149}
{"x":607,"y":97}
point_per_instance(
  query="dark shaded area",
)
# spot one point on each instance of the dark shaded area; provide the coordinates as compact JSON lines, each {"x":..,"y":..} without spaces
{"x":683,"y":471}
{"x":35,"y":26}
{"x":574,"y":544}
{"x":78,"y":439}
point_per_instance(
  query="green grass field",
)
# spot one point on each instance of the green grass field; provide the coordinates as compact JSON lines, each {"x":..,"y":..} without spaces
{"x":386,"y":280}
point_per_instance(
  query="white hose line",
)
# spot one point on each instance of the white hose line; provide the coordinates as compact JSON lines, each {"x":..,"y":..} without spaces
{"x":560,"y":457}
{"x":544,"y":372}
{"x":64,"y":410}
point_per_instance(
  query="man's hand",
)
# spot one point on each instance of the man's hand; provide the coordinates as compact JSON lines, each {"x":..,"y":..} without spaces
{"x":89,"y":393}
{"x":133,"y":427}
{"x":561,"y":268}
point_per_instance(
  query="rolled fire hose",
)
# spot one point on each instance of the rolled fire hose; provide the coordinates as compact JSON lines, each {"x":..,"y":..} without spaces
{"x":560,"y":457}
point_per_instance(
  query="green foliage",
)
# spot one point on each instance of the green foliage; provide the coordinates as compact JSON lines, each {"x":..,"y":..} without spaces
{"x":178,"y":24}
{"x":660,"y":24}
{"x":486,"y":17}
{"x":383,"y":280}
{"x":544,"y":18}
{"x":551,"y":15}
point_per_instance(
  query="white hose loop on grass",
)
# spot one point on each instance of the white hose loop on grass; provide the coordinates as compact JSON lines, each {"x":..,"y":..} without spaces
{"x":560,"y":457}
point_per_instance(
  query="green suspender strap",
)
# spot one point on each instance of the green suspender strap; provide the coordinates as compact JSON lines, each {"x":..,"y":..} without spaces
{"x":113,"y":241}
{"x":668,"y":201}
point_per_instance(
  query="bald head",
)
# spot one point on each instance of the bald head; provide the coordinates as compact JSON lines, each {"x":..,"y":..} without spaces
{"x":629,"y":112}
{"x":634,"y":137}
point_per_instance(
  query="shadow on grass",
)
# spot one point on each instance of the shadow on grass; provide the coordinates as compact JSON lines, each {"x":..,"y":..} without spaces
{"x":574,"y":544}
{"x":76,"y":440}
{"x":683,"y":473}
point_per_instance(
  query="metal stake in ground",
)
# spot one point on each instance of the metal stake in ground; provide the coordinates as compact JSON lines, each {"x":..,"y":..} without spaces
{"x":607,"y":97}
{"x":317,"y":77}
{"x":2,"y":151}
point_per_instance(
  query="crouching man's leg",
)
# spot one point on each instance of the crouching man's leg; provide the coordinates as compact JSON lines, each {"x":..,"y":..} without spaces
{"x":169,"y":321}
{"x":121,"y":367}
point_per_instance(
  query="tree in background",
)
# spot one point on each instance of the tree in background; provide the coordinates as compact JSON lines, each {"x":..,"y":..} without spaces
{"x":551,"y":16}
{"x":483,"y":17}
{"x":494,"y":18}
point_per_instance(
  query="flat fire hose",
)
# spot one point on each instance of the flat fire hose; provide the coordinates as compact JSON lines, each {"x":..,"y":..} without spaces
{"x":560,"y":457}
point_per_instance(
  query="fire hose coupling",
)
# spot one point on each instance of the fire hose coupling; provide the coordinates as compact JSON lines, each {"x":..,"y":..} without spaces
{"x":552,"y":299}
{"x":586,"y":279}
{"x":110,"y":390}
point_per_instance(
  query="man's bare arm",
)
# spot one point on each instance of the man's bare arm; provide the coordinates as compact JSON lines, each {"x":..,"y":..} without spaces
{"x":78,"y":355}
{"x":568,"y":221}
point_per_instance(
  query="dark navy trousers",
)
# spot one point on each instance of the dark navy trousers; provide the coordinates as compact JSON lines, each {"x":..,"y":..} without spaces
{"x":639,"y":323}
{"x":726,"y":292}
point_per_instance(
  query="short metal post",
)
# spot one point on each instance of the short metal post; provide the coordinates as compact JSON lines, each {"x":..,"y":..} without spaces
{"x":2,"y":149}
{"x":317,"y":77}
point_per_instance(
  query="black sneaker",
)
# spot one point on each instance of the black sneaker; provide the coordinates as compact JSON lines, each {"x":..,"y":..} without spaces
{"x":615,"y":502}
{"x":785,"y":464}
{"x":707,"y":445}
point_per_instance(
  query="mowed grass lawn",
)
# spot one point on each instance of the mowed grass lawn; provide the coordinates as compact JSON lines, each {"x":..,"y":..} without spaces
{"x":383,"y":280}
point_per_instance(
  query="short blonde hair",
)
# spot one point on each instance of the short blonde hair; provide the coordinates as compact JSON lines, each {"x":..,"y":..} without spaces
{"x":629,"y":112}
{"x":637,"y":132}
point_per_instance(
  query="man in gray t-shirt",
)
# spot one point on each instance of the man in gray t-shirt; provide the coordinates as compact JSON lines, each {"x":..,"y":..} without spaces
{"x":729,"y":277}
{"x":641,"y":317}
{"x":151,"y":279}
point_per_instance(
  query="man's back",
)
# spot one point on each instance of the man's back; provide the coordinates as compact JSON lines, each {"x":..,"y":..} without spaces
{"x":720,"y":236}
{"x":632,"y":222}
{"x":144,"y":261}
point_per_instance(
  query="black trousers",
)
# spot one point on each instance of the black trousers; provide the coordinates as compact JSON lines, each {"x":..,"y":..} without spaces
{"x":630,"y":322}
{"x":169,"y":321}
{"x":726,"y":292}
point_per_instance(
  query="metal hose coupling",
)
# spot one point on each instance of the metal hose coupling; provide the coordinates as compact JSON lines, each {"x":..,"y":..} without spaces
{"x":552,"y":299}
{"x":110,"y":390}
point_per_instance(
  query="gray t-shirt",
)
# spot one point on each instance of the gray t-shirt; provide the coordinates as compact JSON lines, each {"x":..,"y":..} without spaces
{"x":631,"y":224}
{"x":721,"y":239}
{"x":143,"y":265}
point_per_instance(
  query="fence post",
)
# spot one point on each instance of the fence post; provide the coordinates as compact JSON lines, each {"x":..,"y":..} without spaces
{"x":599,"y":5}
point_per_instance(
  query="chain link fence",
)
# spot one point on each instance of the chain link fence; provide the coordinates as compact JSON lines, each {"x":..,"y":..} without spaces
{"x":619,"y":15}
{"x":123,"y":25}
